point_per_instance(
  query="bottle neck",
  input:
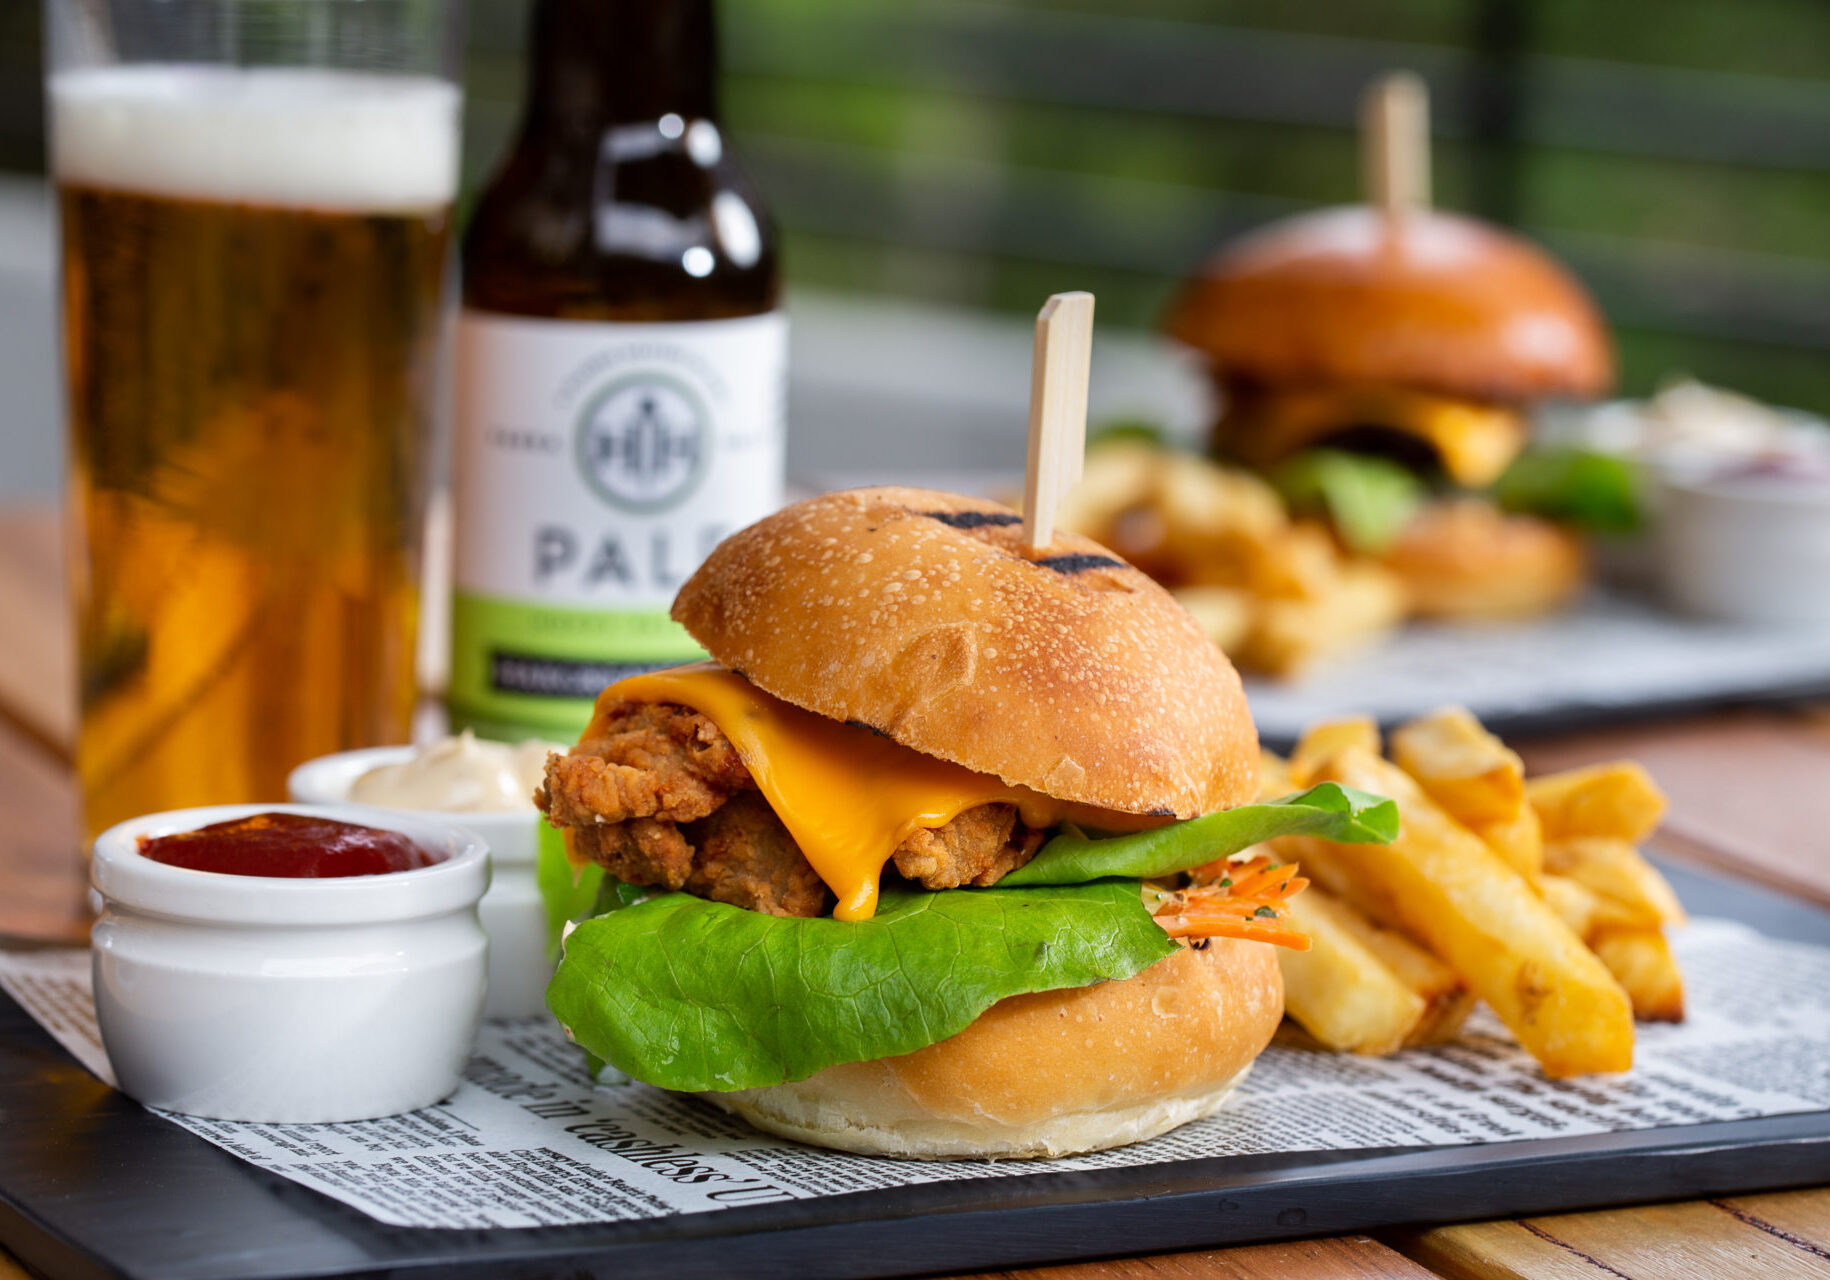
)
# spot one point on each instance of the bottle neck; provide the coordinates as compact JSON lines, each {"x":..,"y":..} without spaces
{"x":595,"y":63}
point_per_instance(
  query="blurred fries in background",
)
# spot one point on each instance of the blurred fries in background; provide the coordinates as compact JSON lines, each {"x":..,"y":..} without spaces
{"x":1617,"y":800}
{"x":1528,"y":893}
{"x":1328,"y":739}
{"x":1275,"y":593}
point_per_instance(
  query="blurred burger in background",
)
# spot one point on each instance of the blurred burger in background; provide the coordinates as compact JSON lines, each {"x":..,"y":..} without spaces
{"x":1382,"y":370}
{"x":1379,"y":364}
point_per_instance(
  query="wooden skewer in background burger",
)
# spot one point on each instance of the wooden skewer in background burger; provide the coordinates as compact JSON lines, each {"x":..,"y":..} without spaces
{"x":1351,"y":346}
{"x":921,"y":709}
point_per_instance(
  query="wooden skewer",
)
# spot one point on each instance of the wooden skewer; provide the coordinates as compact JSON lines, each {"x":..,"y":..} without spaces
{"x":1395,"y":142}
{"x":1057,"y":411}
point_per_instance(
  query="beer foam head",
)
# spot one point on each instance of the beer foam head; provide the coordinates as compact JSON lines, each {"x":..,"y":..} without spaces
{"x":290,"y":137}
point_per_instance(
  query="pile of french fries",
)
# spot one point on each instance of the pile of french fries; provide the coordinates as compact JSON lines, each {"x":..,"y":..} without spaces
{"x":1528,"y":893}
{"x":1274,"y":593}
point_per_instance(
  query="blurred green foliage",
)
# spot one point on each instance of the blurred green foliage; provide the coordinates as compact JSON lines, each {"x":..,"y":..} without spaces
{"x":987,"y":152}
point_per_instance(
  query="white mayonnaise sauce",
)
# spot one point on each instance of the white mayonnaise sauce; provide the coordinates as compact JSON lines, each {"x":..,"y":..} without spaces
{"x":459,"y":775}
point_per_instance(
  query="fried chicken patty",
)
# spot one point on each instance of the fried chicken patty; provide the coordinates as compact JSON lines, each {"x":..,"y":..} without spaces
{"x":661,"y":798}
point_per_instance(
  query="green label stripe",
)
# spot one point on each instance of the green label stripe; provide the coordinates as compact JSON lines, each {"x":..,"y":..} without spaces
{"x":488,"y":632}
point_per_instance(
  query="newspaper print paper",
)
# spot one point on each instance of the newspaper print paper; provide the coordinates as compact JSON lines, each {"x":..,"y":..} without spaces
{"x":530,"y":1140}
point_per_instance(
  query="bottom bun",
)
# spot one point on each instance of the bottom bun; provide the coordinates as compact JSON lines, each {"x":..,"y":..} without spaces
{"x":1051,"y":1074}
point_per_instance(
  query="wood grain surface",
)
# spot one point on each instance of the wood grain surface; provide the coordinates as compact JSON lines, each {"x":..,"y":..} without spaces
{"x":1342,"y":1258}
{"x":37,"y":660}
{"x":43,"y":878}
{"x":1741,"y":785}
{"x":1744,"y":787}
{"x":1784,"y":1234}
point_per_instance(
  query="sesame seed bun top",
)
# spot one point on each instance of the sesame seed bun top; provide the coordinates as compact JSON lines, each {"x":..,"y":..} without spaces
{"x":1430,"y":300}
{"x":921,"y":615}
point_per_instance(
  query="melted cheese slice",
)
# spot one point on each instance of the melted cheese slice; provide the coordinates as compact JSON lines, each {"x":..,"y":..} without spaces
{"x":1475,"y":441}
{"x":847,"y":795}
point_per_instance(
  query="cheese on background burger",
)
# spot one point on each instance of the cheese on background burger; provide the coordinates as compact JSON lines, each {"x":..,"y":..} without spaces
{"x":895,"y":672}
{"x":1423,"y":339}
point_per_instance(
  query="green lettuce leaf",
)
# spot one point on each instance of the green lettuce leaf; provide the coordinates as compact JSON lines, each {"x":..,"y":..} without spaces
{"x":693,"y":995}
{"x":614,"y":895}
{"x":1596,"y":492}
{"x":567,"y":892}
{"x":1128,"y":429}
{"x":1369,"y":499}
{"x":1333,"y":812}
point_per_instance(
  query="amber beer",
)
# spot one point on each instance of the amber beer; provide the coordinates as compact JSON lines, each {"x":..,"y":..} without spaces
{"x":252,"y":265}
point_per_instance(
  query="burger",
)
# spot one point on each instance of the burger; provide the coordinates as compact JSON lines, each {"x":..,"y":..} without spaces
{"x":935,"y":857}
{"x":1381,"y":369}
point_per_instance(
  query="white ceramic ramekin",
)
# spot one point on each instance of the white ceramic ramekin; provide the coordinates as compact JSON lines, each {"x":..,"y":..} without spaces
{"x":512,"y":912}
{"x":282,"y":1000}
{"x":1746,"y":549}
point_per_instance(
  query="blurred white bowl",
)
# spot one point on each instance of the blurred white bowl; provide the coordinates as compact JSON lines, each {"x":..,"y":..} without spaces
{"x":511,"y":911}
{"x":289,"y":1001}
{"x":1748,"y":548}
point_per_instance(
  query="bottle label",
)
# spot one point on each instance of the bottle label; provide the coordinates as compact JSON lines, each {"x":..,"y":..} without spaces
{"x":595,"y":465}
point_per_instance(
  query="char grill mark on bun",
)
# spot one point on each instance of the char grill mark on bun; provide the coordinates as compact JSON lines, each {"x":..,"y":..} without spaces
{"x":974,"y":519}
{"x":920,"y":614}
{"x":1073,"y":564}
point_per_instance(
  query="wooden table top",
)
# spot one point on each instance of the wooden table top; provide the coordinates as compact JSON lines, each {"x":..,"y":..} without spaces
{"x":1743,"y":786}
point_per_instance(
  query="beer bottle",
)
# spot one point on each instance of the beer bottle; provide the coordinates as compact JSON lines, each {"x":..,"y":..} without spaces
{"x":622,"y":365}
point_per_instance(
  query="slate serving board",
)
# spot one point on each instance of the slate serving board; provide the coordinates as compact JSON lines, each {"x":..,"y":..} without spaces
{"x":1614,"y":657}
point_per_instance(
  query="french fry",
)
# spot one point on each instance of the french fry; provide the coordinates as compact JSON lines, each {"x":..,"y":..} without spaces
{"x":1631,"y":890}
{"x":1203,"y":503}
{"x":1642,"y":962}
{"x":1328,"y":867}
{"x":1383,"y":932}
{"x":1520,"y":842}
{"x":1475,"y":777}
{"x":1619,"y":801}
{"x":1339,"y":989}
{"x":1273,"y":776}
{"x":1116,"y":477}
{"x":1443,"y":1019}
{"x":1574,"y":902}
{"x":1217,"y":522}
{"x":1324,"y":739}
{"x":1194,"y":524}
{"x":1482,"y":918}
{"x":1447,"y":1000}
{"x":1225,"y":613}
{"x":1291,"y":635}
{"x":1300,"y":563}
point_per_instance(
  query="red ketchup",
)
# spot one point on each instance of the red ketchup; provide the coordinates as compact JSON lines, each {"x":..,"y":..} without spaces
{"x":290,"y":846}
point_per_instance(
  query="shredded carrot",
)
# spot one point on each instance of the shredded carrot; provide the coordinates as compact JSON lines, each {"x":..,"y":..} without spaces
{"x":1242,"y":900}
{"x":1218,"y":869}
{"x":1252,"y":884}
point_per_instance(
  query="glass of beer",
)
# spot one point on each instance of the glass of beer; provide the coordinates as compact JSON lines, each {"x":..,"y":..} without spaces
{"x":256,"y":202}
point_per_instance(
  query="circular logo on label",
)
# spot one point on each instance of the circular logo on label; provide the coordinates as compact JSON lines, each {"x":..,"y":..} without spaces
{"x":642,"y":442}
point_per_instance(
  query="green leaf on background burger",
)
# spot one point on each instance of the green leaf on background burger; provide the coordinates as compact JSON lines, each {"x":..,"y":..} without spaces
{"x":1135,"y":430}
{"x":1329,"y":811}
{"x":693,"y":995}
{"x":1596,"y":492}
{"x":1368,"y":499}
